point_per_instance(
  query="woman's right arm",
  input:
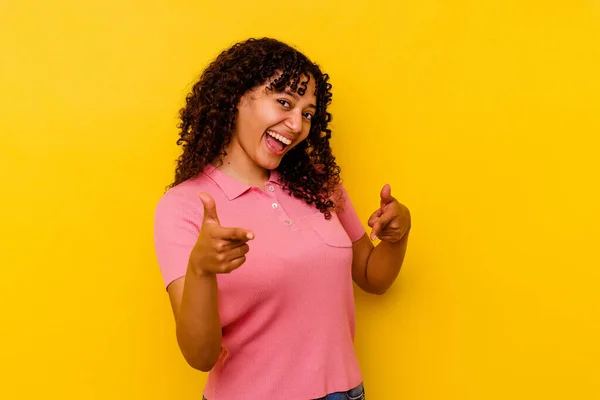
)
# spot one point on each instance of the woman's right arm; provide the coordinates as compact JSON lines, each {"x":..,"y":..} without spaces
{"x":198,"y":326}
{"x":194,"y":297}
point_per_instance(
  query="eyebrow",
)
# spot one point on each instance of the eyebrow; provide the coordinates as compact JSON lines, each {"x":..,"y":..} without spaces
{"x":295,"y":96}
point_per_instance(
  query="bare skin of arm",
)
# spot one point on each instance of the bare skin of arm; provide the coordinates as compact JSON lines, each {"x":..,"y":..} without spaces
{"x":374,"y":269}
{"x":194,"y":298}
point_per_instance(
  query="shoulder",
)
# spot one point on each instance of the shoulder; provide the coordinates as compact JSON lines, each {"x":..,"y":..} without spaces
{"x":347,"y":214}
{"x":183,"y":198}
{"x":339,"y":196}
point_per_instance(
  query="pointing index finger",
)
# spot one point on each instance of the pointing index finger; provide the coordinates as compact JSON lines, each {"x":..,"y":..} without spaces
{"x":235,"y":234}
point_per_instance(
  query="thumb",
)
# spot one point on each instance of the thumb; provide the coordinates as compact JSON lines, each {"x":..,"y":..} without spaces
{"x":386,"y":195}
{"x":210,"y":208}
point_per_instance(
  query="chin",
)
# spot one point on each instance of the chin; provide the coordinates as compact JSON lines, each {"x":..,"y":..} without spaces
{"x":271,"y":164}
{"x":269,"y":161}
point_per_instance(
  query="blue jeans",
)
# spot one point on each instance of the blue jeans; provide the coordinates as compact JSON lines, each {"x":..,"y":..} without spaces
{"x":357,"y":393}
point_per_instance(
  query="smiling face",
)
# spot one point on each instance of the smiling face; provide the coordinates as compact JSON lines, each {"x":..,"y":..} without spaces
{"x":270,"y":123}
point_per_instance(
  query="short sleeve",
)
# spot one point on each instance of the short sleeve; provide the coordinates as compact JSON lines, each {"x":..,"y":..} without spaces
{"x":177,"y":222}
{"x":348,"y":216}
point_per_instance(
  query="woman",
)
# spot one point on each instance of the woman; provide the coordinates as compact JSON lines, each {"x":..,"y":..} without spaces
{"x":257,"y":241}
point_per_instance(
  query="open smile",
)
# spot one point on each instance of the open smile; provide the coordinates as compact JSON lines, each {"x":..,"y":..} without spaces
{"x":277,"y":143}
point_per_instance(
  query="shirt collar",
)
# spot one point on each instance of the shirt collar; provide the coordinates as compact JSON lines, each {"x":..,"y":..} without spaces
{"x":232,"y":187}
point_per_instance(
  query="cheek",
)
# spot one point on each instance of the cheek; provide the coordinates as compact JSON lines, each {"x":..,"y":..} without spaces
{"x":249,"y":125}
{"x":306,"y":131}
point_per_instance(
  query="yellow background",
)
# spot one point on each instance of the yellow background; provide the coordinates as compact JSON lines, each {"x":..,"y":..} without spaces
{"x":483,"y":116}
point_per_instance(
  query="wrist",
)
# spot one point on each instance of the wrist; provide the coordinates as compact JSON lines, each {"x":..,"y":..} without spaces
{"x":198,"y":272}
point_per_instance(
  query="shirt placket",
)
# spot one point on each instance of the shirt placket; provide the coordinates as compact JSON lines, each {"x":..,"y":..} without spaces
{"x":280,"y":213}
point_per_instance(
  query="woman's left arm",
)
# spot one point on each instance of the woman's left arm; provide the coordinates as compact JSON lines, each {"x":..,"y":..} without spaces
{"x":374,"y":269}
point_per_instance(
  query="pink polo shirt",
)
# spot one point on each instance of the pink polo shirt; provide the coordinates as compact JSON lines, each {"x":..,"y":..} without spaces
{"x":287,"y":313}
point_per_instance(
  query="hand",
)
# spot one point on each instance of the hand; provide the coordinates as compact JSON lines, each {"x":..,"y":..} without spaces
{"x":392,"y":220}
{"x":218,"y":250}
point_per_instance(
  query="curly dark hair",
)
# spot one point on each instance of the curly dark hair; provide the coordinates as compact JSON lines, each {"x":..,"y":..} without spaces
{"x":308,"y":171}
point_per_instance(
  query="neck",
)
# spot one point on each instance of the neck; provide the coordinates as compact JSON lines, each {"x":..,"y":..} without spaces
{"x":239,"y":166}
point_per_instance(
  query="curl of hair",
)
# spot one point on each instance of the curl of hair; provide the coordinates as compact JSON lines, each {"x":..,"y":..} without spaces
{"x":308,"y":171}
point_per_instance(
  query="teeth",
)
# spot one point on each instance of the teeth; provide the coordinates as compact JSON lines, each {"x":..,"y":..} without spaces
{"x":282,"y":139}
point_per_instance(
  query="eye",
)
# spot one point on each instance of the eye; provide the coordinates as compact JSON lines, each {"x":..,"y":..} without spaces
{"x":284,"y":103}
{"x":308,"y":116}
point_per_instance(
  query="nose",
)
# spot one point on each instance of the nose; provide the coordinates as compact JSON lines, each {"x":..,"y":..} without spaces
{"x":294,"y":121}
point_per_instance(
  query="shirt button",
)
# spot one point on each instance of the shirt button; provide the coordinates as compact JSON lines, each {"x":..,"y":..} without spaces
{"x":271,"y":189}
{"x":288,"y":222}
{"x":275,"y":205}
